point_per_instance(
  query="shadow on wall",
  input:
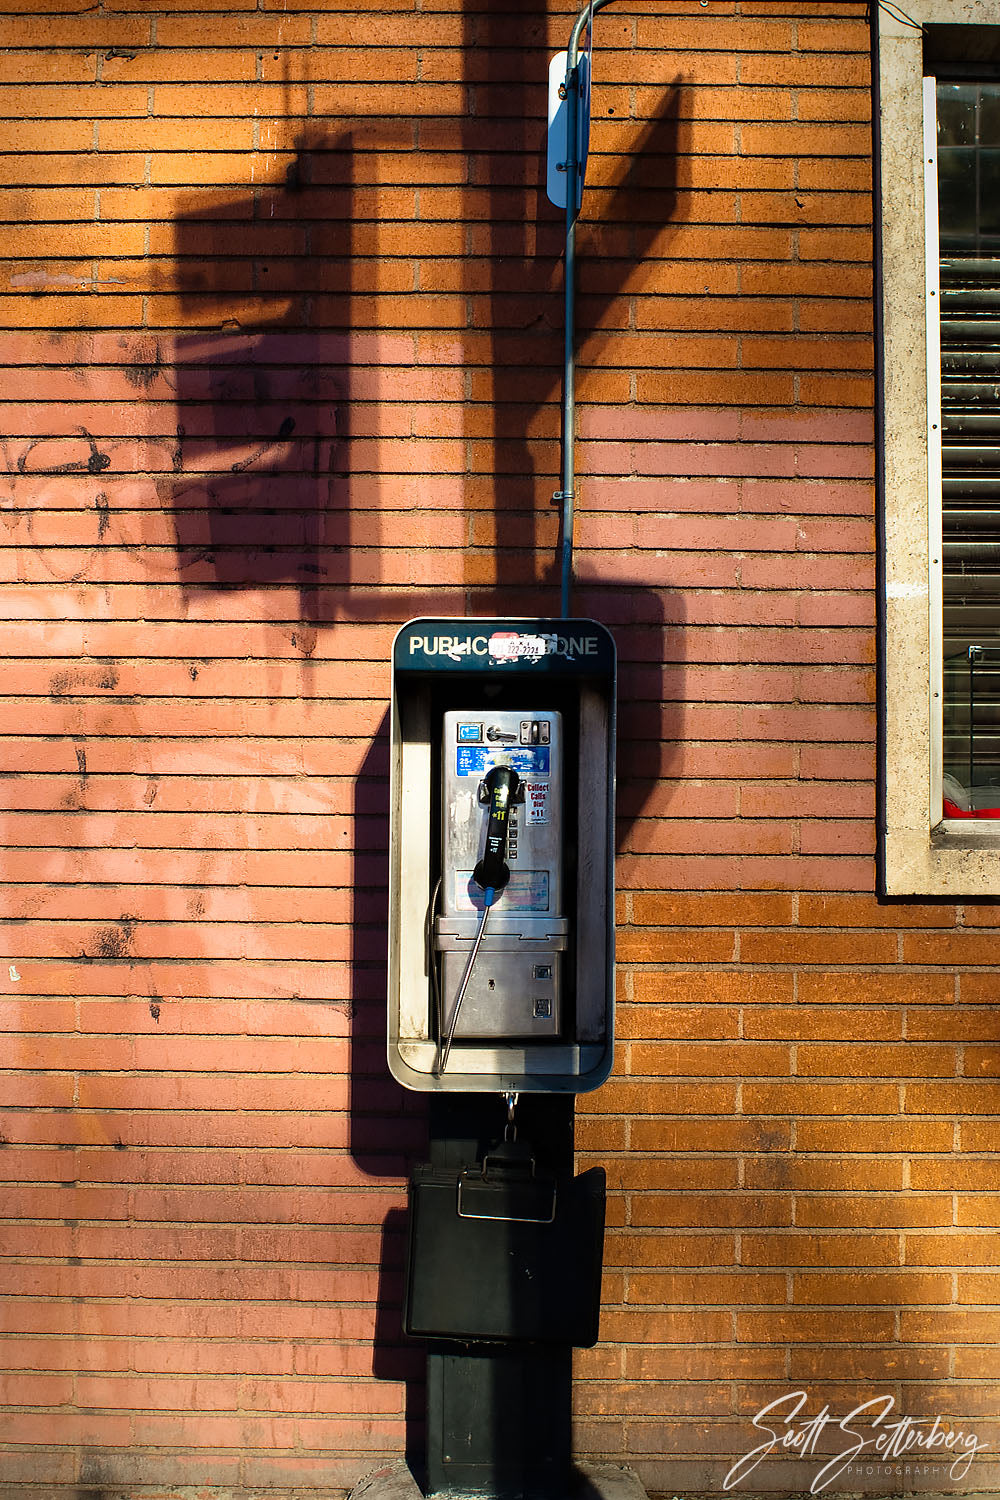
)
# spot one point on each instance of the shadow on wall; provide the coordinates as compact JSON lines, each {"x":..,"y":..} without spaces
{"x":303,"y":432}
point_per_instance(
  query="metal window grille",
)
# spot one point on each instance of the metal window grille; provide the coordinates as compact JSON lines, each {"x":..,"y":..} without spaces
{"x":968,"y":168}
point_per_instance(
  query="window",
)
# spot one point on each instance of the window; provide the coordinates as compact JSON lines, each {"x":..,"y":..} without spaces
{"x":939,"y":171}
{"x":962,"y":126}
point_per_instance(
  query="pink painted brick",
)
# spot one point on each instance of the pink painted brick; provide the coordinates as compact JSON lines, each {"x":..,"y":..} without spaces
{"x":666,"y":569}
{"x":720,"y":534}
{"x":817,"y":426}
{"x":807,"y":724}
{"x":817,"y":535}
{"x":714,"y":458}
{"x":836,"y":836}
{"x":805,"y":497}
{"x":777,"y":572}
{"x":836,"y":685}
{"x":669,"y":493}
{"x":837,"y":462}
{"x":837,"y":609}
{"x":669,"y":423}
{"x":703,"y":836}
{"x":825,"y":762}
{"x":832,"y":799}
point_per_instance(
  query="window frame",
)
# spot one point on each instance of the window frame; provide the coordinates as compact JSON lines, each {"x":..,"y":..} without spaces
{"x":920,"y":853}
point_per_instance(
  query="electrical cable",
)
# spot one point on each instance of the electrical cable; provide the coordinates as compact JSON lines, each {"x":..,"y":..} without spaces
{"x":489,"y":896}
{"x":899,"y":14}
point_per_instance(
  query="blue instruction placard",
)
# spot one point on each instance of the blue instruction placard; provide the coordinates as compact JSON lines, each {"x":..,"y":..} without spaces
{"x":527,"y":760}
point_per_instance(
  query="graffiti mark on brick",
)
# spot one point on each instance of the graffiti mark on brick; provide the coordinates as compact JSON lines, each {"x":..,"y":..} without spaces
{"x":95,"y":461}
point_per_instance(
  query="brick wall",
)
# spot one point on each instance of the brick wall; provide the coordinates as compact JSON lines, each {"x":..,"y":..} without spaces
{"x":281,"y":299}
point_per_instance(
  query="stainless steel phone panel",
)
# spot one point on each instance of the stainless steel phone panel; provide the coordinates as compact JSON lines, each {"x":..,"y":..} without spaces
{"x":515,"y":987}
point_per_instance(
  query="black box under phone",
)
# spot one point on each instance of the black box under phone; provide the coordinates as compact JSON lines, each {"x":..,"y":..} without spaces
{"x":501,"y":1251}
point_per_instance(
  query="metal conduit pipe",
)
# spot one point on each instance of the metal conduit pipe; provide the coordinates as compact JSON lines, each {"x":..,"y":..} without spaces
{"x":568,"y":474}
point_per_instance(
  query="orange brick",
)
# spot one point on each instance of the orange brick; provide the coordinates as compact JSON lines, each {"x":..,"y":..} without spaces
{"x":808,"y":1022}
{"x":974,"y":1135}
{"x":831,"y":140}
{"x":958,"y":1096}
{"x":830,"y":105}
{"x":711,"y":909}
{"x":670,"y":1250}
{"x":818,"y":948}
{"x":185,"y":133}
{"x":741,"y":1290}
{"x":806,"y":1326}
{"x":630,"y":1096}
{"x":66,"y":170}
{"x":81,"y":311}
{"x":838,"y":910}
{"x":957,"y":1175}
{"x":808,"y":1098}
{"x":593,"y":1133}
{"x":692,"y":1059}
{"x":827,"y":1363}
{"x":971,"y":1400}
{"x":160,"y":65}
{"x":837,"y":245}
{"x":703,"y":1362}
{"x":820,"y":1174}
{"x":956,"y":1326}
{"x":646,"y":1022}
{"x":64,"y":241}
{"x":805,"y":1249}
{"x":240,"y":30}
{"x":882,"y":1136}
{"x":875,"y":1060}
{"x":661,"y":1173}
{"x":743,"y":387}
{"x":955,"y":948}
{"x":828,"y":390}
{"x":709,"y":34}
{"x":969,"y":1363}
{"x":28,"y":136}
{"x":710,"y":1135}
{"x":76,"y":30}
{"x":666,"y":1327}
{"x":986,"y":915}
{"x":833,"y":36}
{"x":898,"y":1210}
{"x":645,"y":1399}
{"x":844,"y":988}
{"x":701,"y":1211}
{"x":980,"y":1062}
{"x":810,"y":280}
{"x":979,"y":989}
{"x":671,"y":946}
{"x":751,"y":1398}
{"x":796,"y":69}
{"x":227,"y":100}
{"x":712,"y":987}
{"x":50,"y":68}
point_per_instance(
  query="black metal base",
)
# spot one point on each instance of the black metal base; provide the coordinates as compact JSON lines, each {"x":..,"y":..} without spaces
{"x":499,"y":1415}
{"x":498,"y":1421}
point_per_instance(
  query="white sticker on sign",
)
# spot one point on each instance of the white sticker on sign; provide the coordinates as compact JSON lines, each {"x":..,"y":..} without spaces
{"x":536,"y":801}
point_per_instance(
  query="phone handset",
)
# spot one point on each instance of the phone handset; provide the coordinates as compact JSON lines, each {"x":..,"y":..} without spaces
{"x":500,"y":785}
{"x":491,"y":874}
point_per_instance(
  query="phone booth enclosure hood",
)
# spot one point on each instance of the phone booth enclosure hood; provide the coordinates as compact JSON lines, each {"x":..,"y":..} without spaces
{"x":536,"y":698}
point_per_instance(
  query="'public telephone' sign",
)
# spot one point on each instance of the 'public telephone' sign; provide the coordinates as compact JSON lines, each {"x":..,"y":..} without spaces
{"x":504,"y":645}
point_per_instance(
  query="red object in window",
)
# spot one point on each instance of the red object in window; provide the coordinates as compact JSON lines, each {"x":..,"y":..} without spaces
{"x":951,"y":811}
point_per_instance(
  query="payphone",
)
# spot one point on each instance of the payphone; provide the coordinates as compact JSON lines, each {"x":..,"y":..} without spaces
{"x":501,"y":858}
